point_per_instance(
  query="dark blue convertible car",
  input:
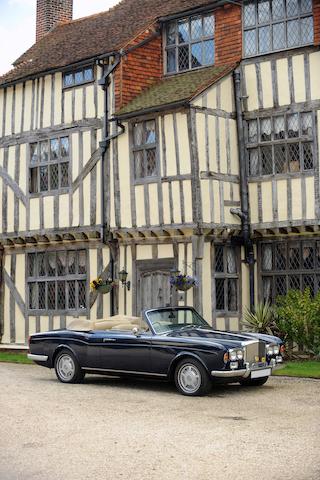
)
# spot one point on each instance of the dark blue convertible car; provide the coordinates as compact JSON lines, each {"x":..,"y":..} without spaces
{"x":170,"y":343}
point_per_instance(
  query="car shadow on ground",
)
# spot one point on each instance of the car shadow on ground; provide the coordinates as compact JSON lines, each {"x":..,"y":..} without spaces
{"x":155,"y":385}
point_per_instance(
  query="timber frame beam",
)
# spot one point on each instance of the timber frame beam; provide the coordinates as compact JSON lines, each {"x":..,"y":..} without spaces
{"x":1,"y":291}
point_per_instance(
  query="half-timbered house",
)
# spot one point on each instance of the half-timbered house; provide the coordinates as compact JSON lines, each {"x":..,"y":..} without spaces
{"x":159,"y":136}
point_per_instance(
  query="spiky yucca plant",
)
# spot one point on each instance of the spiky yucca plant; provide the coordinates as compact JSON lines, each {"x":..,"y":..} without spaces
{"x":262,"y":320}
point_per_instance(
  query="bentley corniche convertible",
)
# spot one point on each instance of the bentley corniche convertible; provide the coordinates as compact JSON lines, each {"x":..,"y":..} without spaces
{"x":174,"y":344}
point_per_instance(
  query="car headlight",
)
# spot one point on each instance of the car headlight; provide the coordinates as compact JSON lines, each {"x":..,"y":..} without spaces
{"x":232,"y":355}
{"x":273,"y":350}
{"x":240,"y":354}
{"x":235,"y":355}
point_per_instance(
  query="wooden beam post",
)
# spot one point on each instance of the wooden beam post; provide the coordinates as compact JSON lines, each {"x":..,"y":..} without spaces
{"x":1,"y":292}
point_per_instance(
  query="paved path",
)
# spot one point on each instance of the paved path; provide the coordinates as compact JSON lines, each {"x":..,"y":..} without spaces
{"x":123,"y":429}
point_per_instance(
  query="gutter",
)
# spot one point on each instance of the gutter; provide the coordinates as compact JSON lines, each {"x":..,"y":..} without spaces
{"x":191,"y":11}
{"x":104,"y":82}
{"x":145,"y":111}
{"x":65,"y":68}
{"x":244,"y":213}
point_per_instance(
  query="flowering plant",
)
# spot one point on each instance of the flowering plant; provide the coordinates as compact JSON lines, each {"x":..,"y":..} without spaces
{"x":102,"y":287}
{"x":183,"y":282}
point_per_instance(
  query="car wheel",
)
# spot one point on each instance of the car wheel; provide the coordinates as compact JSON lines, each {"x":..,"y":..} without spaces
{"x":67,"y":368}
{"x":191,"y":378}
{"x":254,"y":382}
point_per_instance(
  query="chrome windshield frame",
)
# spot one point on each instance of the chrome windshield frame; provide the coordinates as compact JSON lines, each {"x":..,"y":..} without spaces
{"x":164,"y":309}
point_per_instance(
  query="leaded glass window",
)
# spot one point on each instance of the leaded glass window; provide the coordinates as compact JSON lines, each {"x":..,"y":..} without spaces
{"x":49,"y":165}
{"x":145,"y":149}
{"x":226,"y":279}
{"x":57,"y":281}
{"x":289,"y":265}
{"x":78,"y":77}
{"x":271,"y":25}
{"x":284,"y":144}
{"x":190,"y":43}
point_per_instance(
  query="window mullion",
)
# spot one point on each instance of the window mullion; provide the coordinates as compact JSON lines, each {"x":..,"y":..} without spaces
{"x":45,"y":294}
{"x":77,"y":294}
{"x":301,"y":157}
{"x":38,"y":167}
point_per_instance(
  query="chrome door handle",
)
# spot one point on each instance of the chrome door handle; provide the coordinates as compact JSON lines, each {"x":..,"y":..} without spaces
{"x":109,"y":340}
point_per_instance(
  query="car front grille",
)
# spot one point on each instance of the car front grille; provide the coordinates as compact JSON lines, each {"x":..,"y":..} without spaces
{"x":255,"y":353}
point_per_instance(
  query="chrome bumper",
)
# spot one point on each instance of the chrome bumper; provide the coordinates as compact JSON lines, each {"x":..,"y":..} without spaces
{"x":230,"y":373}
{"x":243,"y":372}
{"x":37,"y":358}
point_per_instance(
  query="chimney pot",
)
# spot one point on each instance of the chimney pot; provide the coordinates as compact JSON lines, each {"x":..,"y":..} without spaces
{"x":50,"y":13}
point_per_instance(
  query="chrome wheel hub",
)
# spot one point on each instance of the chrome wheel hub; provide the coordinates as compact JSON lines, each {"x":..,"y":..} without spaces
{"x":66,"y":367}
{"x":189,"y":378}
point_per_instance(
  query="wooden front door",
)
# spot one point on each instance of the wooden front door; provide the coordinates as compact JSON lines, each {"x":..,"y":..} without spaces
{"x":153,"y":285}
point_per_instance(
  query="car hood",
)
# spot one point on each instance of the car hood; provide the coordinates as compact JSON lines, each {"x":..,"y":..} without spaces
{"x":227,"y":339}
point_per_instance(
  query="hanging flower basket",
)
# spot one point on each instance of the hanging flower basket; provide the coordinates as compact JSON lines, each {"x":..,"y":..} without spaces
{"x":183,"y":282}
{"x":100,"y":286}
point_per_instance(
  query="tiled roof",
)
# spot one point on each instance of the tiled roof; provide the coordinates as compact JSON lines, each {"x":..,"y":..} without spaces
{"x":175,"y":89}
{"x":95,"y":35}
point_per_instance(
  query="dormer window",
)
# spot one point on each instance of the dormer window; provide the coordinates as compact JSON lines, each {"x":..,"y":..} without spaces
{"x":78,"y":77}
{"x":271,"y":25}
{"x":189,"y":43}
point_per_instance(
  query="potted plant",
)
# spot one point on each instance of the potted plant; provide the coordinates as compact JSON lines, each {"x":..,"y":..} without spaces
{"x":101,"y":286}
{"x":182,"y":281}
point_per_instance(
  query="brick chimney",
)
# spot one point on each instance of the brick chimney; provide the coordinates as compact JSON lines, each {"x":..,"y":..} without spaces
{"x":50,"y":13}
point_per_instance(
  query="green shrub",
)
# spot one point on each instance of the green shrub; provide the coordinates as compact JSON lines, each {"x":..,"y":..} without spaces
{"x":298,"y":319}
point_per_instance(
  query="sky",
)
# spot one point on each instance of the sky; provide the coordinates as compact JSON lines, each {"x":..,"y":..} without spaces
{"x":18,"y":25}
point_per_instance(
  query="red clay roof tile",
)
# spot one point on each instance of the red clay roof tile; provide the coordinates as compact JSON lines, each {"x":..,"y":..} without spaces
{"x":95,"y":35}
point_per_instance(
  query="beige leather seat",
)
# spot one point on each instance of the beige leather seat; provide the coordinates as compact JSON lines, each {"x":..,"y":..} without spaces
{"x":81,"y":325}
{"x":117,"y":322}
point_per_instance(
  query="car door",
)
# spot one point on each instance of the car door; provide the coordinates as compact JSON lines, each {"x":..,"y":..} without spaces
{"x":124,"y":351}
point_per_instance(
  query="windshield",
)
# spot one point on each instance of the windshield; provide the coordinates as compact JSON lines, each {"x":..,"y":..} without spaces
{"x":167,"y":320}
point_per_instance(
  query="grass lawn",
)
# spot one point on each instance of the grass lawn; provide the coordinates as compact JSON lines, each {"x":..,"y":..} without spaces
{"x":307,"y":369}
{"x":14,"y":357}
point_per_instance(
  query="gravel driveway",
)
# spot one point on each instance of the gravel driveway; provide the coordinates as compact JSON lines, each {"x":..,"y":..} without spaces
{"x":124,"y":429}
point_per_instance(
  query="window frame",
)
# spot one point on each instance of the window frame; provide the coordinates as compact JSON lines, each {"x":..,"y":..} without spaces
{"x":300,"y":140}
{"x":190,"y":42}
{"x":226,"y":277}
{"x":73,"y":72}
{"x":144,"y":147}
{"x":76,"y":277}
{"x":272,"y":22}
{"x":60,"y":160}
{"x":288,"y":272}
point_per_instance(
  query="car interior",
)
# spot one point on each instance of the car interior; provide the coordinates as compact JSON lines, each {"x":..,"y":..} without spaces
{"x":117,"y":322}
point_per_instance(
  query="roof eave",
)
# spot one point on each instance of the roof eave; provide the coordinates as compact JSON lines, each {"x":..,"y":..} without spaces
{"x":63,"y":68}
{"x":159,"y":108}
{"x":204,"y":8}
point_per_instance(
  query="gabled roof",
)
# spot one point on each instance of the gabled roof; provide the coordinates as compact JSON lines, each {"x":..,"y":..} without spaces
{"x":95,"y":35}
{"x":174,"y":90}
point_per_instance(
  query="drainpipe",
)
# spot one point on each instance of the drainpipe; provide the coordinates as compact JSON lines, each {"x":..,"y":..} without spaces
{"x":244,"y":213}
{"x":104,"y":82}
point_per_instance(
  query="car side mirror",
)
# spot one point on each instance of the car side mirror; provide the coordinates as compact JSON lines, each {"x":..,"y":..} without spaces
{"x":136,"y":331}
